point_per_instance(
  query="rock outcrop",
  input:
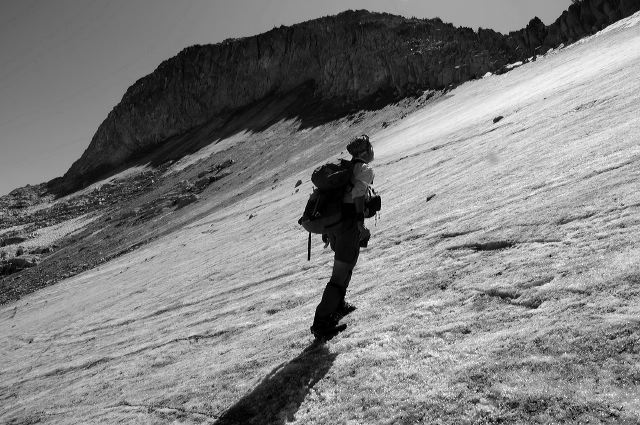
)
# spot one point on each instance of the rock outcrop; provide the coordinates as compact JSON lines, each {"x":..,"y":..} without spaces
{"x":16,"y":264}
{"x":582,"y":18}
{"x":348,"y":60}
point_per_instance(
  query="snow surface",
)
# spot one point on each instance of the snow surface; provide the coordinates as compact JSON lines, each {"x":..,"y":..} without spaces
{"x":193,"y":322}
{"x":47,"y":236}
{"x":214,"y":147}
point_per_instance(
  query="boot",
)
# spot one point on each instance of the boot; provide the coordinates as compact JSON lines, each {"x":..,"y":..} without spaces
{"x":343,"y":309}
{"x":326,"y":329}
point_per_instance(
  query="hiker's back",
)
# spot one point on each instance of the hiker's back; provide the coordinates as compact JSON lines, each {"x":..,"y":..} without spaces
{"x":324,"y":207}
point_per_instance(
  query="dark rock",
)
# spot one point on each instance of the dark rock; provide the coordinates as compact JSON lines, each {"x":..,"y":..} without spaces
{"x":629,"y":7}
{"x":24,"y":261}
{"x":612,"y":12}
{"x":128,"y":213}
{"x":153,"y":209}
{"x":298,"y":183}
{"x":498,"y":119}
{"x":218,"y":177}
{"x":42,"y":250}
{"x":20,"y":204}
{"x":12,"y":240}
{"x":16,"y":264}
{"x":202,"y":183}
{"x":185,"y":200}
{"x":226,"y":164}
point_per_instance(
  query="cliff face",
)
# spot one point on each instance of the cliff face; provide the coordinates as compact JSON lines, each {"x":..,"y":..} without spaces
{"x":348,"y":59}
{"x":583,"y":18}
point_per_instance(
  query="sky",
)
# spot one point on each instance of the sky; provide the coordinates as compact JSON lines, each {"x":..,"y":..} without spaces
{"x":65,"y":64}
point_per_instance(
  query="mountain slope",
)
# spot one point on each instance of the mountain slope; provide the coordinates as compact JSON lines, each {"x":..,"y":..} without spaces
{"x":356,"y":59}
{"x":512,"y":296}
{"x":345,"y":60}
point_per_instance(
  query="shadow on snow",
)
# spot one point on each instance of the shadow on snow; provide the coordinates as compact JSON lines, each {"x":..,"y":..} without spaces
{"x":279,"y":396}
{"x":300,"y":104}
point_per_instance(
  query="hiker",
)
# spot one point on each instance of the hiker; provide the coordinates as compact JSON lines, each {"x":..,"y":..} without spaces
{"x":345,"y":239}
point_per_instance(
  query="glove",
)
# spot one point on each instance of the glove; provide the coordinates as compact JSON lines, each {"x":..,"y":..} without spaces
{"x":365,"y":234}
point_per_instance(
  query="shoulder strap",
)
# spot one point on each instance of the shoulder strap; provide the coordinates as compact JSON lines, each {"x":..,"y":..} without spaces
{"x":353,"y":163}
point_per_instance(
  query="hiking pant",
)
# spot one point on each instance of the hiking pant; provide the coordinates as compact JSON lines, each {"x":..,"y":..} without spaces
{"x":345,"y":243}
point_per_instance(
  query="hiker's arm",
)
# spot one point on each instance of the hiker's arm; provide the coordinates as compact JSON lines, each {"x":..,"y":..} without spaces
{"x":359,"y":204}
{"x":365,"y":234}
{"x":363,"y":178}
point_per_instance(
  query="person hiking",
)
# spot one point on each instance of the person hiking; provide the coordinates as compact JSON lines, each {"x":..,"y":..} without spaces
{"x":345,"y":239}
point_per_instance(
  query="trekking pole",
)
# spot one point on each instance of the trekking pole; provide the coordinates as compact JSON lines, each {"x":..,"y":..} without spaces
{"x":309,"y":248}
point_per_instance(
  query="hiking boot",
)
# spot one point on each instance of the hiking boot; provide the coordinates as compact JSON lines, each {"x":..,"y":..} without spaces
{"x":344,"y":309}
{"x":326,"y":329}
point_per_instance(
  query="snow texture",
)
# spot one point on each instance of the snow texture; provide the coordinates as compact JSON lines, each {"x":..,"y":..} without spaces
{"x":533,"y":214}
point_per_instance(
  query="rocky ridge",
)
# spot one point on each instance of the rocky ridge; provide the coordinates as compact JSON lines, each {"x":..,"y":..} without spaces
{"x":348,"y":60}
{"x":582,"y":18}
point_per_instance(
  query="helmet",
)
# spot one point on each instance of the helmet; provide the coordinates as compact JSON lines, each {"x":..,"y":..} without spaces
{"x":358,"y":145}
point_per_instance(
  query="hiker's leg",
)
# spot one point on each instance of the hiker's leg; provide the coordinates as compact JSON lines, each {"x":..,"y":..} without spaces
{"x":347,"y":243}
{"x":335,"y":290}
{"x":347,"y":250}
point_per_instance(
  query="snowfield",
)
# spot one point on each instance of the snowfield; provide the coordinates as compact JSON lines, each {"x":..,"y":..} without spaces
{"x":512,"y":296}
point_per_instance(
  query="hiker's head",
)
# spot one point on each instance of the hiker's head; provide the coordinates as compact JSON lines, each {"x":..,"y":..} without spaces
{"x":361,"y":148}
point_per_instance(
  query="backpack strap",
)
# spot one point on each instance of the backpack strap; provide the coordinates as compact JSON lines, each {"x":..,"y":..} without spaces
{"x":355,"y":161}
{"x":352,"y":164}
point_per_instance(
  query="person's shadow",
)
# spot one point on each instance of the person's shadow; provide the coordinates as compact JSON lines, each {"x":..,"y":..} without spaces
{"x":279,"y":396}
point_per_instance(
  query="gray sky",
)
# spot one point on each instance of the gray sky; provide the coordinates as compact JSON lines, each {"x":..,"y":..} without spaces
{"x":64,"y":64}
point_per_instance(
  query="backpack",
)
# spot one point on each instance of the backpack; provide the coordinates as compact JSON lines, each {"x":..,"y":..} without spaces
{"x":324,"y":206}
